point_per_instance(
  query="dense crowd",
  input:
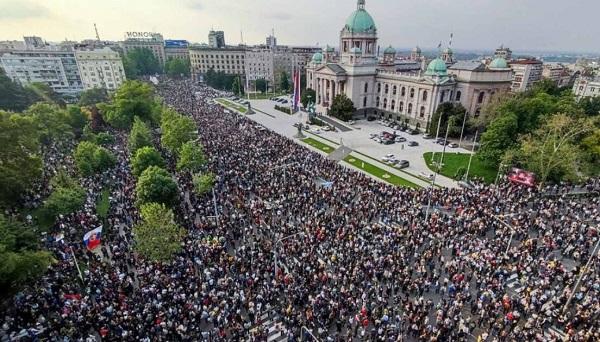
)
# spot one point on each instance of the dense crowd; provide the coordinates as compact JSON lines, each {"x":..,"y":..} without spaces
{"x":356,"y":260}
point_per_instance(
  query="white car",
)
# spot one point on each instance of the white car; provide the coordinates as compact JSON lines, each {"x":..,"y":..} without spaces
{"x":351,"y":122}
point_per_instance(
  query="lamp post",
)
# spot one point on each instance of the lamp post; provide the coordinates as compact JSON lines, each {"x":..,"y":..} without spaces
{"x":439,"y":166}
{"x":437,"y":134}
{"x":462,"y":130}
{"x":582,"y":273}
{"x":471,"y":157}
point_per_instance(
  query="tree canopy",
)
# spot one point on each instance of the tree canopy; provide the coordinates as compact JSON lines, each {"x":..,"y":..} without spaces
{"x":453,"y":113}
{"x":93,"y":96}
{"x":191,"y":157}
{"x":176,"y":130}
{"x":156,"y":185}
{"x":309,"y":95}
{"x":203,"y":183}
{"x":133,"y":98}
{"x":284,"y":82}
{"x":139,"y":136}
{"x":342,"y":107}
{"x":177,"y":68}
{"x":157,"y":236}
{"x":14,"y":97}
{"x":144,"y":158}
{"x":91,"y":158}
{"x":140,"y":62}
{"x":219,"y":79}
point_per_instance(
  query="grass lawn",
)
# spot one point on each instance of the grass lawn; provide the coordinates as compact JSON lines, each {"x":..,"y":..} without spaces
{"x":379,"y":173}
{"x":454,"y":161}
{"x":317,"y":144}
{"x":232,"y":105}
{"x":103,"y":204}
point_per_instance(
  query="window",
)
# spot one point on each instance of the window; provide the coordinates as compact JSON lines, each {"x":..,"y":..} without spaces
{"x":377,"y":102}
{"x":425,"y":95}
{"x":401,"y":107}
{"x":480,"y":97}
{"x":442,"y":96}
{"x":403,"y":92}
{"x":366,"y":87}
{"x":409,"y":108}
{"x":379,"y":87}
{"x":422,"y":112}
{"x":394,"y":90}
{"x":458,"y":94}
{"x":364,"y":101}
{"x":412,"y":93}
{"x":393,"y":107}
{"x":384,"y":103}
{"x":387,"y":88}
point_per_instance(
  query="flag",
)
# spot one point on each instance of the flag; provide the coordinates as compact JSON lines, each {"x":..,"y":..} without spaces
{"x":296,"y":89}
{"x":91,"y":239}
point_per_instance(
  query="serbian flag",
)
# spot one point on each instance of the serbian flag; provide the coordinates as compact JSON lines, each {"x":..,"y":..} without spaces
{"x":296,"y":89}
{"x":91,"y":239}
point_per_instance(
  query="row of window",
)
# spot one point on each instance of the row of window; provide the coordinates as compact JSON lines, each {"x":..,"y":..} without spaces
{"x":384,"y":105}
{"x":219,"y":56}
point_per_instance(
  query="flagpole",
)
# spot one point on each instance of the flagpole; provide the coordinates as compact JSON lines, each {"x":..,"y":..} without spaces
{"x":77,"y":265}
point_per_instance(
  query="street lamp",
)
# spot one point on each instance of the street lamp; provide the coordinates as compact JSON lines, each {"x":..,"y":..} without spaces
{"x":439,"y":166}
{"x":583,"y":272}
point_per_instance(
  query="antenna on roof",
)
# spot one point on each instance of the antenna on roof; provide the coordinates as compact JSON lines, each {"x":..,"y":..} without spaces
{"x":96,"y":29}
{"x":451,"y":36}
{"x":242,"y":36}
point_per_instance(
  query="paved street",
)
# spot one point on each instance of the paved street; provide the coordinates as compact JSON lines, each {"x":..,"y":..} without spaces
{"x":358,"y":139}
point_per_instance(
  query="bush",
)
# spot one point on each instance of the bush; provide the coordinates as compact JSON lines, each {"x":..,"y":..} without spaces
{"x":104,"y":139}
{"x":286,"y":110}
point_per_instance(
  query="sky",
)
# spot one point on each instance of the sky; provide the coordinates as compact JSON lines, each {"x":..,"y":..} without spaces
{"x":522,"y":25}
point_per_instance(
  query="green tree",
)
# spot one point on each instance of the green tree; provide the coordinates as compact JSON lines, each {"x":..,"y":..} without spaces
{"x":261,"y":85}
{"x":449,"y":112}
{"x":177,"y":68}
{"x":20,"y":163}
{"x":203,"y":183}
{"x":591,"y":152}
{"x":21,"y":261}
{"x":342,"y":107}
{"x":132,"y":99}
{"x":104,"y":139}
{"x":139,"y":136}
{"x":144,"y":158}
{"x":53,"y":122}
{"x":91,"y":158}
{"x":590,"y":105}
{"x":157,"y":237}
{"x":64,"y":201}
{"x":284,"y":82}
{"x":93,"y":96}
{"x":191,"y":157}
{"x":552,"y":151}
{"x":237,"y":87}
{"x":500,"y":136}
{"x":176,"y":130}
{"x":156,"y":185}
{"x":13,"y":96}
{"x":309,"y":95}
{"x":42,"y":92}
{"x":141,"y":62}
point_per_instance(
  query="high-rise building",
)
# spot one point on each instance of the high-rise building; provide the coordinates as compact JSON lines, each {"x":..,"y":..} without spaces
{"x":56,"y":68}
{"x":147,"y":40}
{"x":503,"y":52}
{"x":228,"y":60}
{"x":34,"y":42}
{"x":259,"y":64}
{"x":178,"y":49}
{"x":527,"y":72}
{"x":100,"y":68}
{"x":271,"y":41}
{"x":216,"y":39}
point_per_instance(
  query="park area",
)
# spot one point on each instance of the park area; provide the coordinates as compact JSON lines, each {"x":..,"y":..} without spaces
{"x":455,"y":166}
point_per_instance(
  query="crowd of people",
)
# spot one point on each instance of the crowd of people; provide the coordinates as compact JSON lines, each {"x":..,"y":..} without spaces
{"x":355,"y":260}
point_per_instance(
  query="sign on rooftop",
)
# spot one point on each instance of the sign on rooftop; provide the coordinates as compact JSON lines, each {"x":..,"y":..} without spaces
{"x":143,"y":35}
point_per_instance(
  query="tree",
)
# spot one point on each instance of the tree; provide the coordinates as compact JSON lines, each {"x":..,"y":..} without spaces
{"x":21,"y":261}
{"x":342,"y":107}
{"x":156,"y":185}
{"x":552,"y":151}
{"x":139,"y":136}
{"x":43,"y":92}
{"x":309,"y":95}
{"x":237,"y":87}
{"x":157,"y":237}
{"x":13,"y":96}
{"x":141,"y":62}
{"x":93,"y":96}
{"x":203,"y":183}
{"x":20,"y":164}
{"x":500,"y":136}
{"x":53,"y":122}
{"x":177,"y":68}
{"x":191,"y":157}
{"x":261,"y":85}
{"x":449,"y":112}
{"x":64,"y":200}
{"x":132,"y":99}
{"x":91,"y":158}
{"x":591,"y":151}
{"x":590,"y":105}
{"x":176,"y":130}
{"x":144,"y":158}
{"x":284,"y":82}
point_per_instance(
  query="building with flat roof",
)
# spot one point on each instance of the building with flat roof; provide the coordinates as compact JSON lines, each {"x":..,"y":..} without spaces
{"x":527,"y":72}
{"x":216,"y":39}
{"x":100,"y":68}
{"x":178,"y":49}
{"x":557,"y":73}
{"x":228,"y":60}
{"x":146,"y":40}
{"x":586,"y":87}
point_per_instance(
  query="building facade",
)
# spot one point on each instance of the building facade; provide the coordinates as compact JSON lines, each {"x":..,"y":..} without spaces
{"x":231,"y":61}
{"x":148,"y":40}
{"x":260,"y":65}
{"x":527,"y":72}
{"x":100,"y":68}
{"x":56,"y":68}
{"x":557,"y":73}
{"x":586,"y":87}
{"x":400,"y":90}
{"x":216,"y":39}
{"x":177,"y":49}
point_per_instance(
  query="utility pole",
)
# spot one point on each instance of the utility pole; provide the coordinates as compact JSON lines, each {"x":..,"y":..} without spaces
{"x":436,"y":136}
{"x":471,"y":156}
{"x":462,"y":129}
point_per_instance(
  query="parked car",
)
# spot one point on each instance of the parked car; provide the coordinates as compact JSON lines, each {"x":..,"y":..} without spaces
{"x":426,"y":175}
{"x":387,"y":157}
{"x":388,"y":141}
{"x":427,"y":136}
{"x":377,"y":139}
{"x":453,"y":145}
{"x":400,"y":139}
{"x":414,"y":132}
{"x":442,"y":141}
{"x":413,"y":143}
{"x":403,"y":164}
{"x":371,"y":118}
{"x":351,"y":122}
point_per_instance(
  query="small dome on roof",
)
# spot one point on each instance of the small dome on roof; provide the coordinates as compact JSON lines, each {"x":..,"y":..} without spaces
{"x":355,"y":50}
{"x":317,"y":57}
{"x":329,"y":49}
{"x":437,"y":67}
{"x":448,"y":51}
{"x":389,"y":50}
{"x":360,"y":21}
{"x":498,"y":63}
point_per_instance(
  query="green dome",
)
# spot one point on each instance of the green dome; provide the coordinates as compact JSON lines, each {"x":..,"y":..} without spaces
{"x":437,"y":67}
{"x":498,"y":63}
{"x":389,"y":50}
{"x":330,"y":49}
{"x":317,"y":57}
{"x":360,"y":21}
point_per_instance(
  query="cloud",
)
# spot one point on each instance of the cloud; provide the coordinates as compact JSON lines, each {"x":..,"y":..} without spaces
{"x":23,"y":9}
{"x":282,"y":16}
